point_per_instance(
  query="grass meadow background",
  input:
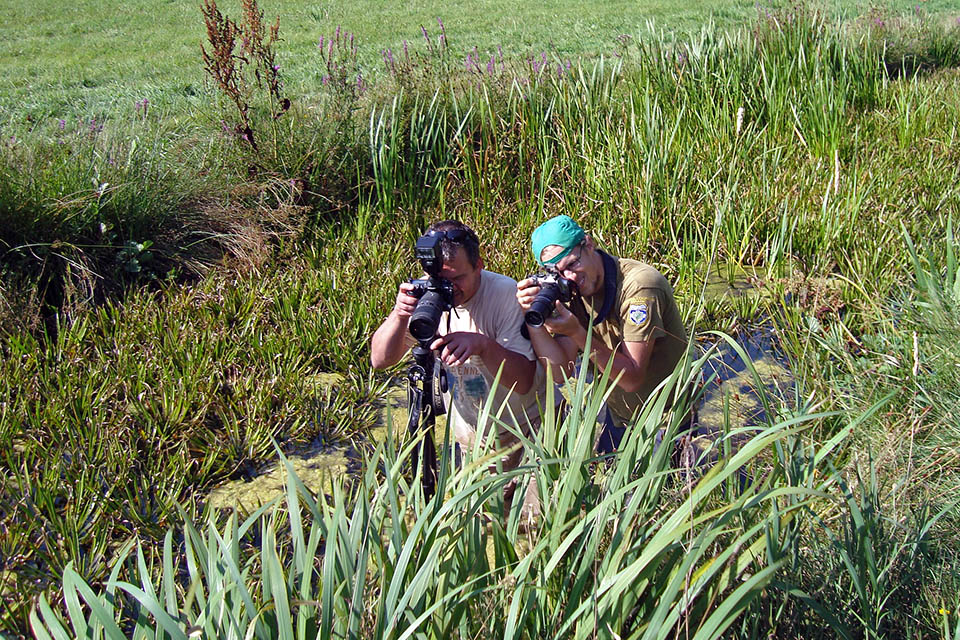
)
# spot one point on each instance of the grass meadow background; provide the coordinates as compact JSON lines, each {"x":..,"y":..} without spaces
{"x":94,"y":58}
{"x":173,"y":300}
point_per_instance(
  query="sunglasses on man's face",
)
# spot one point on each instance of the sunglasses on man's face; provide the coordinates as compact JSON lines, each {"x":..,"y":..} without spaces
{"x":456,"y":236}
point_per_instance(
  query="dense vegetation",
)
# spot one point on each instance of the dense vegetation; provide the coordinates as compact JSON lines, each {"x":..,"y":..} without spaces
{"x":173,"y":286}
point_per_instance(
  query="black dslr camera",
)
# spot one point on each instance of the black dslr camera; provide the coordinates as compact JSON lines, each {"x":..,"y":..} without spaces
{"x":553,"y":287}
{"x":435,"y":293}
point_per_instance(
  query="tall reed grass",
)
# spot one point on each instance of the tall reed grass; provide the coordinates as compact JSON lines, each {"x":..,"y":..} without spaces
{"x":625,"y":546}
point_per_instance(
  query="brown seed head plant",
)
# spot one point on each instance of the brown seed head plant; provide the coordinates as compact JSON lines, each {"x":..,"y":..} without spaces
{"x":238,"y":51}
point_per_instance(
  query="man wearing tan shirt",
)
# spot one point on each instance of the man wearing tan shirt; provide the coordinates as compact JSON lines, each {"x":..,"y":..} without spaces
{"x":630,"y":305}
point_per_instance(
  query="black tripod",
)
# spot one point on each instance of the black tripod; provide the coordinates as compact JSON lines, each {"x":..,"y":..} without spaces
{"x":426,"y":382}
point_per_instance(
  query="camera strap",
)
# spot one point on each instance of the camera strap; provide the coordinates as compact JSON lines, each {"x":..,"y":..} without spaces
{"x":609,"y":287}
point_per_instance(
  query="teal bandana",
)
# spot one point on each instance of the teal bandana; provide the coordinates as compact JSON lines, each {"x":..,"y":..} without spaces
{"x":559,"y":230}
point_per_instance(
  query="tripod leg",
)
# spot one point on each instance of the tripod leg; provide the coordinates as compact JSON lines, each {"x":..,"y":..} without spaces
{"x":428,"y":459}
{"x":424,"y":454}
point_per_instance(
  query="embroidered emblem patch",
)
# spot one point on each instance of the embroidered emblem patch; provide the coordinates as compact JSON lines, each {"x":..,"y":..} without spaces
{"x":638,"y":313}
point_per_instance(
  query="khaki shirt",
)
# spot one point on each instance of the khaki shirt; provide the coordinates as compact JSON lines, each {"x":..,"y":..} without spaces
{"x":644,"y":309}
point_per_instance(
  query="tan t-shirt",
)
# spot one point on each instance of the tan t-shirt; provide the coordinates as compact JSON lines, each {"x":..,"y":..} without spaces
{"x":493,"y":311}
{"x":644,"y":310}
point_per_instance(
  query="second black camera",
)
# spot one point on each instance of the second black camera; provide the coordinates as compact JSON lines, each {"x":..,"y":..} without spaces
{"x":553,"y":287}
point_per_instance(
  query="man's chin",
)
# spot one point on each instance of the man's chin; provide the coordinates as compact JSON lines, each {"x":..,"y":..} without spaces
{"x":587,"y":290}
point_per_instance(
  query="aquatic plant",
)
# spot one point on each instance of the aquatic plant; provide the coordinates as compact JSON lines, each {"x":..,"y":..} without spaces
{"x":624,"y":545}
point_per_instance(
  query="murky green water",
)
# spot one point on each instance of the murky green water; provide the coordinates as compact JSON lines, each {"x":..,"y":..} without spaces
{"x":315,"y":469}
{"x":316,"y":466}
{"x":733,"y":397}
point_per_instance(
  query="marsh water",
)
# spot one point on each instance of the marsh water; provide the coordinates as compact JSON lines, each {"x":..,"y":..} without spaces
{"x":732,"y":399}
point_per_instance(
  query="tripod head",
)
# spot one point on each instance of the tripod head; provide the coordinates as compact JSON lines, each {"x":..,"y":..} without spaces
{"x":429,"y":373}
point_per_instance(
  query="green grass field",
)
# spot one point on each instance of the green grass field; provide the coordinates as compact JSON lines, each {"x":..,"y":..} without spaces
{"x":171,"y":296}
{"x":96,"y":58}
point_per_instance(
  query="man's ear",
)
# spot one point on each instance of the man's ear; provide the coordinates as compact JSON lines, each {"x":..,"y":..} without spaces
{"x":589,"y":244}
{"x":480,"y":262}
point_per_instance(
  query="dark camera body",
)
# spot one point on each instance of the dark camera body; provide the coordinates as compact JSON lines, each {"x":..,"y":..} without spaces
{"x":435,"y":293}
{"x":553,"y":287}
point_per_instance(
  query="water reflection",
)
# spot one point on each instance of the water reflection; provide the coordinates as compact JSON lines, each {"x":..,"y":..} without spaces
{"x":733,"y":408}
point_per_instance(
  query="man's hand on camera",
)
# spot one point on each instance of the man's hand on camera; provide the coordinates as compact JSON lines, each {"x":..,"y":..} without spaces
{"x":405,"y":303}
{"x":562,"y":322}
{"x":527,"y":290}
{"x":454,"y":349}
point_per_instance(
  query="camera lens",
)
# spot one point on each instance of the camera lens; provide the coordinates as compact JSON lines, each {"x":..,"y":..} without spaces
{"x":426,"y":317}
{"x":543,"y":305}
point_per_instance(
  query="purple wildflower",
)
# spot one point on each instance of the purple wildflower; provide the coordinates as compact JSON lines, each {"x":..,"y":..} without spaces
{"x":276,"y":68}
{"x":62,"y":124}
{"x":491,"y":66}
{"x":320,"y":44}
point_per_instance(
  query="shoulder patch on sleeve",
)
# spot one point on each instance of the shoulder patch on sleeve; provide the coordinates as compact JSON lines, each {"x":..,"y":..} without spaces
{"x":638,"y":312}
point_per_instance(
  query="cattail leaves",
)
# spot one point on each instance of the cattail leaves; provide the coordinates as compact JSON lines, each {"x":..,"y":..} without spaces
{"x":638,"y":553}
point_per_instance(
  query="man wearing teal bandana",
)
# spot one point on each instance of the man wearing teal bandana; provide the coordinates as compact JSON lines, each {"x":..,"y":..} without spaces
{"x":631,"y":307}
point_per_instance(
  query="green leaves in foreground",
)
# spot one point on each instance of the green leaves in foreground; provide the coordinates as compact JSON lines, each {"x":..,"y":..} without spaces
{"x":624,"y":546}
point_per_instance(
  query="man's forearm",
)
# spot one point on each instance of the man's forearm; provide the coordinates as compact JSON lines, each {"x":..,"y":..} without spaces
{"x":548,"y":348}
{"x":389,"y":342}
{"x":622,"y":367}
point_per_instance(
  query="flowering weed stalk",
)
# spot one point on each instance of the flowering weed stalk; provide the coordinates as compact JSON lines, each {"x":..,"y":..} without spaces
{"x":242,"y":60}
